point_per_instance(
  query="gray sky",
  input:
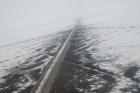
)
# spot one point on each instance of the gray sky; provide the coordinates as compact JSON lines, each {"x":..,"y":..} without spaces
{"x":19,"y":12}
{"x":25,"y":19}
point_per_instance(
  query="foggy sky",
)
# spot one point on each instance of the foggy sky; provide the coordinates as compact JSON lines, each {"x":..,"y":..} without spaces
{"x":20,"y":12}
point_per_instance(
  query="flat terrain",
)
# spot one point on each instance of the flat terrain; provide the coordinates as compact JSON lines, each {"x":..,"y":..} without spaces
{"x":54,"y":67}
{"x":23,"y":63}
{"x":41,"y":52}
{"x":103,"y":58}
{"x":76,"y":79}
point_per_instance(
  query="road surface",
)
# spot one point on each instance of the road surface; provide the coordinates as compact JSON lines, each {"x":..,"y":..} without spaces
{"x":47,"y":78}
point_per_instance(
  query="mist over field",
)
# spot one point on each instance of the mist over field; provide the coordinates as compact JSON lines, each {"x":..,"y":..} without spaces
{"x":106,"y":42}
{"x":26,"y":19}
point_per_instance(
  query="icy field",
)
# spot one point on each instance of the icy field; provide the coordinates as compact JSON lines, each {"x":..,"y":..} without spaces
{"x":108,"y":44}
{"x":114,"y":41}
{"x":105,"y":51}
{"x":22,"y":63}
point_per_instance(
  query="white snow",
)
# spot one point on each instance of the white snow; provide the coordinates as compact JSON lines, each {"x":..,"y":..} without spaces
{"x":17,"y":57}
{"x":52,"y":66}
{"x":122,"y":84}
{"x":137,"y":74}
{"x":117,"y":44}
{"x":25,"y":24}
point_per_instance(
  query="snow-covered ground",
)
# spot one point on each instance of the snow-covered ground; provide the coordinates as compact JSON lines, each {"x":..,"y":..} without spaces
{"x":23,"y":62}
{"x":115,"y":40}
{"x":26,"y":49}
{"x":32,"y":31}
{"x":112,"y":44}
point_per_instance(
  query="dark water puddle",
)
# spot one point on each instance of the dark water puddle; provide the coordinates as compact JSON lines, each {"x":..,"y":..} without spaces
{"x":36,"y":73}
{"x":131,"y":72}
{"x":88,"y":56}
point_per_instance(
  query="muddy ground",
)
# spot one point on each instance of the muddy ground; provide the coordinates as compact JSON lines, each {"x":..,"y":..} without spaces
{"x":75,"y":79}
{"x":81,"y":71}
{"x":23,"y":77}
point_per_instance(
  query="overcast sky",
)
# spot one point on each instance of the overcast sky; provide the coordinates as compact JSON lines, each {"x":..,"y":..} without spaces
{"x":19,"y":12}
{"x":26,"y":19}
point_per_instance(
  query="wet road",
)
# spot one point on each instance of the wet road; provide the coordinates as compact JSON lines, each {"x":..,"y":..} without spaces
{"x":44,"y":83}
{"x":108,"y":49}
